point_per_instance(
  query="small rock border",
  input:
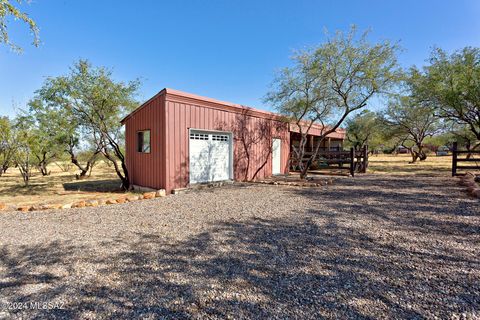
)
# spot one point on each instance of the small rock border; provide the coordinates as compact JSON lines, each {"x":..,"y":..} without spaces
{"x":87,"y":203}
{"x":469,"y":181}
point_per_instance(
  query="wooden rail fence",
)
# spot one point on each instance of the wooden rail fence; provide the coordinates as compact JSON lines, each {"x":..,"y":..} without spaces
{"x":455,"y":159}
{"x":351,"y":160}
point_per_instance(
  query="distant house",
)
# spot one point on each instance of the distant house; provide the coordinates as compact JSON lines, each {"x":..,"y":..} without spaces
{"x":176,"y":139}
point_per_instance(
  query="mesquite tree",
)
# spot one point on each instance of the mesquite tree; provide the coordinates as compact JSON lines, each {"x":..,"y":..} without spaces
{"x":328,"y":83}
{"x":45,"y":139}
{"x":451,"y":84}
{"x":98,"y":103}
{"x":24,"y":139}
{"x":410,"y":122}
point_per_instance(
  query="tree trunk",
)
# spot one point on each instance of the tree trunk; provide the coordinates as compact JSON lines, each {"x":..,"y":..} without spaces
{"x":300,"y":153}
{"x":42,"y":167}
{"x":24,"y":171}
{"x":126,"y":179}
{"x":42,"y":164}
{"x":123,"y":177}
{"x":421,"y":154}
{"x":304,"y":173}
{"x":414,"y":155}
{"x":83,"y":170}
{"x":3,"y":169}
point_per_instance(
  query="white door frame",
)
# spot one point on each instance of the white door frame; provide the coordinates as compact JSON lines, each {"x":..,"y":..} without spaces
{"x":230,"y":139}
{"x":279,"y":155}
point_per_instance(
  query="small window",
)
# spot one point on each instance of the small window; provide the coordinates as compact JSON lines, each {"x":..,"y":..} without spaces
{"x":143,"y":141}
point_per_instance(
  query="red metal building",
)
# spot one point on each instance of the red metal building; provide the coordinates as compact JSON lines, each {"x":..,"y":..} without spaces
{"x":176,"y":139}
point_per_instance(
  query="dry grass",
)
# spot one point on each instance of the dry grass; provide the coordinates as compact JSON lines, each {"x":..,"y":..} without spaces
{"x":59,"y":187}
{"x":399,"y":164}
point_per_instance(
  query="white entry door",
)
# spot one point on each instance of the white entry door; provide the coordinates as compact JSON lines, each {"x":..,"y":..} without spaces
{"x":276,"y":149}
{"x":210,"y":156}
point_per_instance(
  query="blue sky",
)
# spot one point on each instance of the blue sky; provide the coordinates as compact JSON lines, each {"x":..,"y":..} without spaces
{"x":228,"y":50}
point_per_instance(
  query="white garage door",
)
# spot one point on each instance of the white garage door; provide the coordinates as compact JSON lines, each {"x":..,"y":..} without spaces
{"x":209,"y":156}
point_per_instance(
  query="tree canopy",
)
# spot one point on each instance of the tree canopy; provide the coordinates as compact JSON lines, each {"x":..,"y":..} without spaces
{"x":92,"y":99}
{"x":451,"y":84}
{"x":8,"y":10}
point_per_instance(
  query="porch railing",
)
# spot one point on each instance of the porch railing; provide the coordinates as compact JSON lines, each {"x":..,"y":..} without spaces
{"x":351,"y":160}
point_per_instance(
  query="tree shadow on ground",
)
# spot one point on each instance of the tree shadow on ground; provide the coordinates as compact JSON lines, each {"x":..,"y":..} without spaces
{"x":110,"y":185}
{"x":308,"y":267}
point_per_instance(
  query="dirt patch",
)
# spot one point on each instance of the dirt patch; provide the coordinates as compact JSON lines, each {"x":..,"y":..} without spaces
{"x":59,"y":187}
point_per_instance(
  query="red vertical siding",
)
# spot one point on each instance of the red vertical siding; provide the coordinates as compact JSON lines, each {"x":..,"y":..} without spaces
{"x":147,"y":169}
{"x":183,"y":115}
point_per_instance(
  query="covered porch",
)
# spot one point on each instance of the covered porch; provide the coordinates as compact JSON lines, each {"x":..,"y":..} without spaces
{"x":328,"y":144}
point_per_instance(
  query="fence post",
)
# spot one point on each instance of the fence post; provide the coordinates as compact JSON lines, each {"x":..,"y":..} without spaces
{"x":365,"y":159}
{"x":454,"y":159}
{"x":352,"y":162}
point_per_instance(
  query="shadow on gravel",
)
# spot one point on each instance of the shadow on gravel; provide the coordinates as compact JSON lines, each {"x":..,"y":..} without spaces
{"x":110,"y":185}
{"x":244,"y":269}
{"x":343,"y":259}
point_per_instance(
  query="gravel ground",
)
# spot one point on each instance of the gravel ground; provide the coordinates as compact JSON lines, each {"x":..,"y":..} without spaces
{"x":370,"y":247}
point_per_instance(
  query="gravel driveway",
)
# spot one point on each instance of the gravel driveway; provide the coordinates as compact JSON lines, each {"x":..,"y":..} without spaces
{"x":370,"y":247}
